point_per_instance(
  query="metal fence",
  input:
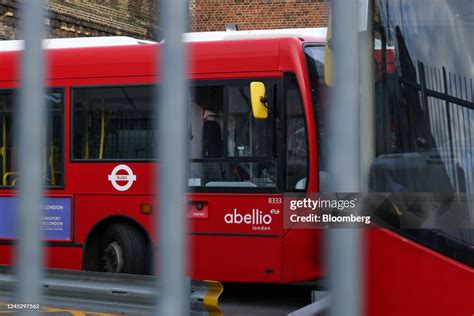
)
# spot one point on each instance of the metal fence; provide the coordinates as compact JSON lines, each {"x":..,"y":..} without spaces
{"x":447,"y":101}
{"x":173,"y":285}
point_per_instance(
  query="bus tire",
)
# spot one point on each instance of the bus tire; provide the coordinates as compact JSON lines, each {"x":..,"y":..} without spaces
{"x":123,"y":250}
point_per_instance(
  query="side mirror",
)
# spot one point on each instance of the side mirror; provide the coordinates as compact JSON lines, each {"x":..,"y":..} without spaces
{"x":258,"y":99}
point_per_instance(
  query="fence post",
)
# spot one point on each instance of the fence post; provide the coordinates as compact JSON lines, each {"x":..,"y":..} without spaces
{"x":170,"y":178}
{"x":30,"y":123}
{"x":424,"y":96}
{"x":367,"y":99}
{"x":450,"y":135}
{"x":344,"y":245}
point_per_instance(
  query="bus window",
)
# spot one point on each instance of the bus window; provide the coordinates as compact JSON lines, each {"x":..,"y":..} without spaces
{"x":206,"y":111}
{"x":314,"y":54}
{"x":229,"y":148}
{"x":53,"y":138}
{"x":112,"y":123}
{"x":246,"y":136}
{"x":297,"y":147}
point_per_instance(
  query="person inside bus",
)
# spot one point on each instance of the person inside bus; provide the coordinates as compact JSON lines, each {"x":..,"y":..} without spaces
{"x":211,"y":146}
{"x":211,"y":136}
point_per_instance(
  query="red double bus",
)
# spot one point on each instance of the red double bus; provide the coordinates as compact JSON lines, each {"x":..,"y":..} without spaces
{"x":99,"y":159}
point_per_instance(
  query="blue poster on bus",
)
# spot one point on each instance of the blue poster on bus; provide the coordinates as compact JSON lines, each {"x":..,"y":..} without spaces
{"x":55,"y":222}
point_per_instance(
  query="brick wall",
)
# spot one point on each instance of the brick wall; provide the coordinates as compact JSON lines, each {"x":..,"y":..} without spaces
{"x":212,"y":15}
{"x":7,"y":19}
{"x":73,"y":18}
{"x":136,"y":18}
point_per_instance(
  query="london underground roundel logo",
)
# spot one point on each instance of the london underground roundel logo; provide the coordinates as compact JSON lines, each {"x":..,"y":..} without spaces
{"x":122,"y":181}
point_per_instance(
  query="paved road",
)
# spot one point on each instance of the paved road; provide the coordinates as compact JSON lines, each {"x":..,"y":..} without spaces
{"x":6,"y":310}
{"x":237,"y":300}
{"x":263,"y":299}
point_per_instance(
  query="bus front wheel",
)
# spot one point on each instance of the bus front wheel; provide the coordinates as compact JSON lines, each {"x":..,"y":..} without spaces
{"x":123,"y":250}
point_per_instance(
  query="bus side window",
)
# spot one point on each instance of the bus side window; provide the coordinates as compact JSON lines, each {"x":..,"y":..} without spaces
{"x":5,"y":151}
{"x":113,"y":123}
{"x":52,"y":155}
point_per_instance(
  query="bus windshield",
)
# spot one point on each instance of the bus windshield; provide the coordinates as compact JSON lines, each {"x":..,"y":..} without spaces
{"x":228,"y":147}
{"x":314,"y":54}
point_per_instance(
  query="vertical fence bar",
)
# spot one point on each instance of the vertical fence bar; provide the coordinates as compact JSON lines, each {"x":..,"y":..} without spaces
{"x":471,"y":138}
{"x":172,"y":121}
{"x":467,"y":137}
{"x":434,"y":122}
{"x":344,"y":245}
{"x":384,"y":144}
{"x":441,"y":113}
{"x":424,"y":96}
{"x":367,"y":100}
{"x":472,"y":91}
{"x":456,"y":130}
{"x":29,"y":128}
{"x":435,"y":101}
{"x":448,"y":122}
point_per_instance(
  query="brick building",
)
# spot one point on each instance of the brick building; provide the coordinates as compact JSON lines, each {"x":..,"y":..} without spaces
{"x":136,"y":18}
{"x":73,"y":18}
{"x":212,"y":15}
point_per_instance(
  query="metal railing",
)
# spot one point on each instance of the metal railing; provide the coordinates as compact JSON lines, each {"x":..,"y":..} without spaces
{"x":109,"y":292}
{"x":446,"y":101}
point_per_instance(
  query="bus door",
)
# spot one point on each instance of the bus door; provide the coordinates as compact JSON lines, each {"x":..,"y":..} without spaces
{"x":235,"y":206}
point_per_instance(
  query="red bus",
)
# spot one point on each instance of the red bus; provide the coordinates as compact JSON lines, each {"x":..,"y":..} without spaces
{"x":99,"y":159}
{"x":99,"y":169}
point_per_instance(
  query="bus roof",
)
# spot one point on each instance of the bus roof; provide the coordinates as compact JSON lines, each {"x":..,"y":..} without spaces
{"x":317,"y":32}
{"x":267,"y":56}
{"x":76,"y":42}
{"x":105,"y":41}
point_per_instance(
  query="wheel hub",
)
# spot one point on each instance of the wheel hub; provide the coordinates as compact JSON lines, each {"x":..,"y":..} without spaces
{"x":113,"y":258}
